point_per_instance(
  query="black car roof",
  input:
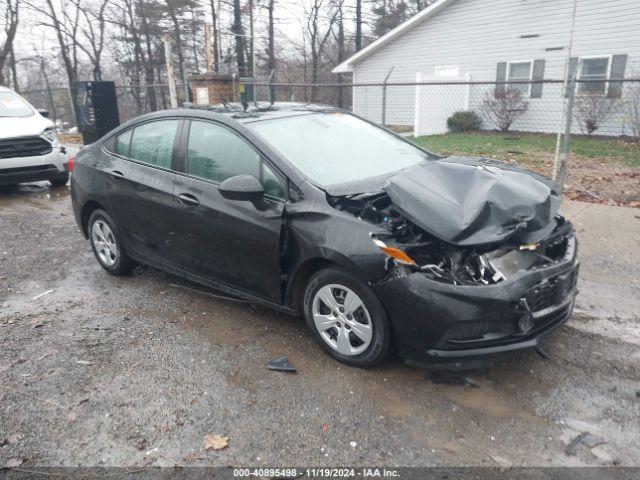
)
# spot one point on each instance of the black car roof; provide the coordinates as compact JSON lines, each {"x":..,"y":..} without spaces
{"x":259,"y":110}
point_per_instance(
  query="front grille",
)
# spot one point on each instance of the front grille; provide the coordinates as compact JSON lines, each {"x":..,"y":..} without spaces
{"x":24,"y":147}
{"x":545,"y":294}
{"x":31,"y":169}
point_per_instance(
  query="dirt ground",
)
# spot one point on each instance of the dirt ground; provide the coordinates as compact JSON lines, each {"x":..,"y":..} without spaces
{"x":103,"y":371}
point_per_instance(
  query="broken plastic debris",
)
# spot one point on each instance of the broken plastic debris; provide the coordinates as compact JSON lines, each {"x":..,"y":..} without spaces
{"x":281,"y":364}
{"x":443,"y":377}
{"x":585,"y":438}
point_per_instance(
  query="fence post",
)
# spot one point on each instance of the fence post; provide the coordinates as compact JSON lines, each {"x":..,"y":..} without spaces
{"x":566,"y":141}
{"x":384,"y":97}
{"x":272,"y":97}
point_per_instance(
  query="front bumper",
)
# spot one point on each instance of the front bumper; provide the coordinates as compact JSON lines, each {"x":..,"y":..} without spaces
{"x":33,"y":169}
{"x":439,"y":323}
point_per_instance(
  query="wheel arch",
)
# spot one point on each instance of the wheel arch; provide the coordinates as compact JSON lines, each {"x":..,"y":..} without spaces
{"x":324,"y":259}
{"x":85,"y":213}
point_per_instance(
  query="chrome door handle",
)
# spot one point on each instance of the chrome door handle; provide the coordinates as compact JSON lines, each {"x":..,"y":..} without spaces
{"x":188,"y":199}
{"x":117,"y":174}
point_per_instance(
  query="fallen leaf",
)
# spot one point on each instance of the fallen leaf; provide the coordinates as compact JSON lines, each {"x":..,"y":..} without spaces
{"x":13,"y":463}
{"x":215,"y":441}
{"x":16,"y":437}
{"x":144,"y":463}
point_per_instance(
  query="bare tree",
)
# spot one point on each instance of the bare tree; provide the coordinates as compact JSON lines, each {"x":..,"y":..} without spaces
{"x":65,"y":22}
{"x":502,"y":108}
{"x":10,"y":18}
{"x":216,"y":34}
{"x":238,"y":31}
{"x":340,"y":40}
{"x":93,"y":30}
{"x":591,"y":109}
{"x":319,"y":27}
{"x":271,"y":42}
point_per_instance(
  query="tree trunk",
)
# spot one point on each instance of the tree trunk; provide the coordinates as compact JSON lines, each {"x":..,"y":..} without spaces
{"x":194,"y":32}
{"x":239,"y":34}
{"x":216,"y":53}
{"x":14,"y":68}
{"x":250,"y":56}
{"x":341,"y":55}
{"x":148,"y":67}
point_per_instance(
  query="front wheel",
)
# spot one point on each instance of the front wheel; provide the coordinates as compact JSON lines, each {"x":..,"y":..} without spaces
{"x":107,"y":245}
{"x":346,"y":318}
{"x":60,"y":181}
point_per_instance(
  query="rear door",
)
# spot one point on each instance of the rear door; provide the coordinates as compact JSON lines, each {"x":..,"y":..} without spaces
{"x":229,"y":241}
{"x":142,"y":186}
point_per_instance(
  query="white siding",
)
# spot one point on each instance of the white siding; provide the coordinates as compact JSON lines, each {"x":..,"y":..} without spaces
{"x":477,"y":34}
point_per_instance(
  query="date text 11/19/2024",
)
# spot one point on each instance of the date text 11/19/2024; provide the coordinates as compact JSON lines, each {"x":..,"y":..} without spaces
{"x":371,"y":472}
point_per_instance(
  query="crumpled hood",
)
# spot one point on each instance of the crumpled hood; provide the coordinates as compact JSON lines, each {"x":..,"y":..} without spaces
{"x":471,"y":201}
{"x":23,"y":126}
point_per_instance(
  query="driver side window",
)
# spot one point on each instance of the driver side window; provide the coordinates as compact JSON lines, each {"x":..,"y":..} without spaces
{"x":216,"y":153}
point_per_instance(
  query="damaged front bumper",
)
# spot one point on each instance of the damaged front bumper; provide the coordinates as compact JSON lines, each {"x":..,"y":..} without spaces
{"x":440,"y":323}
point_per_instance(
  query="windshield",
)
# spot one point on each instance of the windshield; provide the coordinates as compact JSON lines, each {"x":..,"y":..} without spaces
{"x":11,"y":105}
{"x":336,"y":148}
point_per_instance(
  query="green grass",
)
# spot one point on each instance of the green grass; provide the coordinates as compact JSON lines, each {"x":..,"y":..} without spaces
{"x":527,"y":145}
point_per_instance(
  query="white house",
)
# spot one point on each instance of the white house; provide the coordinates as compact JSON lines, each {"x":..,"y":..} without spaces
{"x":489,"y":40}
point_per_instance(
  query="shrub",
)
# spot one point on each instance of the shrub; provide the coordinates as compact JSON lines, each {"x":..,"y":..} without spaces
{"x":464,"y":121}
{"x":503,"y":107}
{"x":592,"y":109}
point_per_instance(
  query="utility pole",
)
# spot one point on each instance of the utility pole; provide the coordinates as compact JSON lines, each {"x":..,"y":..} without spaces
{"x":166,"y":39}
{"x":358,"y":25}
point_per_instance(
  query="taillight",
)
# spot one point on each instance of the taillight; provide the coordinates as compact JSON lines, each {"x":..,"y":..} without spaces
{"x":71,"y":163}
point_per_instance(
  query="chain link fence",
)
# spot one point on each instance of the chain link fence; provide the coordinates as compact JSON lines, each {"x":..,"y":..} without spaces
{"x":515,"y":121}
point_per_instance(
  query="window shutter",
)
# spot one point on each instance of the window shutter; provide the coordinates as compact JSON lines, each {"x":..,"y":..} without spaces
{"x":537,"y":75}
{"x":618,"y":65}
{"x":573,"y":68}
{"x":501,"y":76}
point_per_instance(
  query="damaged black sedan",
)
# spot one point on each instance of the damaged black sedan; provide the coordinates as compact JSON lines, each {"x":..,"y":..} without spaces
{"x":381,"y":245}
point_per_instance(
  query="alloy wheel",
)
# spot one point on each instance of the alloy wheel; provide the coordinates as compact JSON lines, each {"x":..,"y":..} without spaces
{"x":342,"y":319}
{"x":104,"y":242}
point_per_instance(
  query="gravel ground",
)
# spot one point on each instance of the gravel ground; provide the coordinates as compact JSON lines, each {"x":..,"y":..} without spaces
{"x":104,"y":371}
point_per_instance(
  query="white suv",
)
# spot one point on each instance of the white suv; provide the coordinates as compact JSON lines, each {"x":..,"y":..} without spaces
{"x":29,"y":147}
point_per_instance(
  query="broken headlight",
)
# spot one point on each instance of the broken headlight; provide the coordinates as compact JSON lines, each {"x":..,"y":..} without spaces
{"x":50,"y":135}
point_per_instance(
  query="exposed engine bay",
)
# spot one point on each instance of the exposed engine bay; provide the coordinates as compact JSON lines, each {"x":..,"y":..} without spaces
{"x":484,"y":264}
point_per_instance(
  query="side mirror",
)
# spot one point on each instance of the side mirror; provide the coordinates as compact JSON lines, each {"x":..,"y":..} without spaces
{"x":242,"y":187}
{"x":43,"y":112}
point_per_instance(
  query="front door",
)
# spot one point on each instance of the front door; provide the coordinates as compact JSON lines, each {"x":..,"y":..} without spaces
{"x":233,"y":242}
{"x":142,"y":187}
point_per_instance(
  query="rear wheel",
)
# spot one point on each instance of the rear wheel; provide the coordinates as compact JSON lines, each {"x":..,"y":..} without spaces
{"x":107,"y":245}
{"x":60,"y":181}
{"x":346,"y":318}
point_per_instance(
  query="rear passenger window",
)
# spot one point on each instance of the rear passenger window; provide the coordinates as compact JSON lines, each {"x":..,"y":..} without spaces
{"x":153,"y":142}
{"x":215,"y":153}
{"x":122,"y":143}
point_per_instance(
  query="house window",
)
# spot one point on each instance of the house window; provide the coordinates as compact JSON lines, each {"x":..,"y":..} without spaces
{"x":519,"y":71}
{"x":593,"y":69}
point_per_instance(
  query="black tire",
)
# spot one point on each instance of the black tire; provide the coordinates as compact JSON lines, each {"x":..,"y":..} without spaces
{"x":123,"y":263}
{"x":381,"y":339}
{"x":60,"y":181}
